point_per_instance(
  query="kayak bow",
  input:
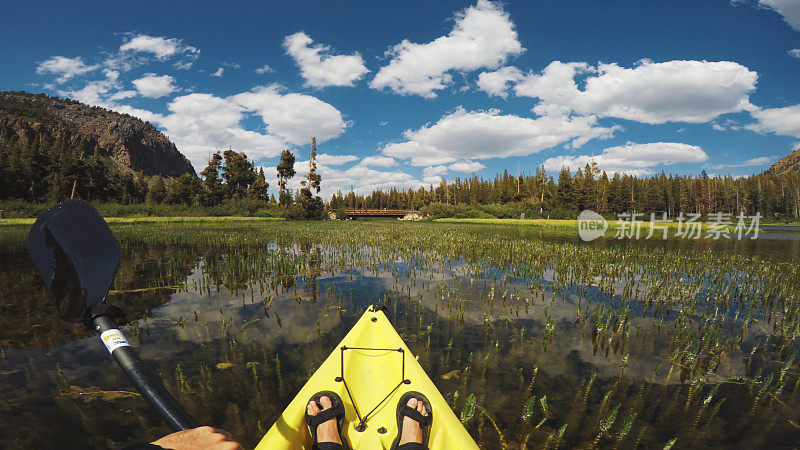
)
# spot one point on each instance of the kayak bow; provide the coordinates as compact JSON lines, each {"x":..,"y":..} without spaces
{"x":370,"y":369}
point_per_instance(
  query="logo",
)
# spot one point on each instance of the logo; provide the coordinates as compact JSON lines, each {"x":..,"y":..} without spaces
{"x":591,"y":225}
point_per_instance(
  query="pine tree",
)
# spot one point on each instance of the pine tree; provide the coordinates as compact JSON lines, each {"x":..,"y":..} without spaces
{"x":314,"y":178}
{"x":285,"y":173}
{"x":157,"y":192}
{"x":566,"y":194}
{"x":213,"y":190}
{"x":541,"y":181}
{"x":259,"y":190}
{"x":310,"y":207}
{"x":238,"y":173}
{"x":703,"y":205}
{"x":184,"y":190}
{"x":601,"y":199}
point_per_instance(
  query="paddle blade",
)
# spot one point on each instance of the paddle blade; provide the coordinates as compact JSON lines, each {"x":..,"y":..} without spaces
{"x":76,"y":254}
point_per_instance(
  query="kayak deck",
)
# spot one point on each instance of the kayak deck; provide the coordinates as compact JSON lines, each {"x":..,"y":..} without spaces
{"x":370,"y":369}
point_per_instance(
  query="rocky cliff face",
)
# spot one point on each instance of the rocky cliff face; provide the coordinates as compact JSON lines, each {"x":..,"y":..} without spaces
{"x":131,"y":143}
{"x":788,"y":163}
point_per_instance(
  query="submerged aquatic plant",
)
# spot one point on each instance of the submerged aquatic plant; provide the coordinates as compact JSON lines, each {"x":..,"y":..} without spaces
{"x":468,"y":412}
{"x":579,"y":332}
{"x":528,"y":409}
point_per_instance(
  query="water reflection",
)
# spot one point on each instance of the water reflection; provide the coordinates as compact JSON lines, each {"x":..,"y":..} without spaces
{"x":236,"y":330}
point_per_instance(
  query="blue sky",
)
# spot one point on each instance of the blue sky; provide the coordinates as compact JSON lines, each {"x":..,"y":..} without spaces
{"x":403,"y":94}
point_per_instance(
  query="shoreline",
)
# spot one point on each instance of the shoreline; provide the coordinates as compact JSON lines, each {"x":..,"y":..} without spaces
{"x":535,"y":223}
{"x":158,"y":219}
{"x":612,"y":224}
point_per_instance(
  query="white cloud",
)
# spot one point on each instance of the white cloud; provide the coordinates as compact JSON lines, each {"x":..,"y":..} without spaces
{"x":143,"y":114}
{"x":483,"y":37}
{"x":433,"y":175}
{"x":201,"y":124}
{"x":187,"y":62}
{"x":760,"y":161}
{"x":318,"y":67}
{"x":293,"y":117}
{"x":378,"y":161}
{"x":335,"y":160}
{"x":96,"y":92}
{"x":434,"y":170}
{"x":160,"y":47}
{"x":789,"y":9}
{"x":155,"y":86}
{"x":672,"y":91}
{"x":488,"y":134}
{"x":419,"y":154}
{"x":363,"y":180}
{"x":264,"y":69}
{"x":795,"y":52}
{"x":122,"y":95}
{"x":219,"y":72}
{"x":466,"y":166}
{"x":65,"y":68}
{"x":496,"y":83}
{"x":727,"y":124}
{"x":784,"y":121}
{"x":432,"y":180}
{"x":633,"y":159}
{"x":105,"y":93}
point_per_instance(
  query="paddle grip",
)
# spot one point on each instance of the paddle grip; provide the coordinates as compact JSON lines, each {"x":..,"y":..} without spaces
{"x":145,"y":380}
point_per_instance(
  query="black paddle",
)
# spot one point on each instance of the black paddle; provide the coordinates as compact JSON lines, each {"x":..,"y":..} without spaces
{"x":77,"y":256}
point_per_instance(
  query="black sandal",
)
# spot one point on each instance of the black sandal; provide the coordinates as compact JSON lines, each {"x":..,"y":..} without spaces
{"x":335,"y":411}
{"x":403,"y":410}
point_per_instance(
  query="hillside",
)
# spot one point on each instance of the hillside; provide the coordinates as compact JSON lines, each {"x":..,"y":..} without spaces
{"x":30,"y":122}
{"x":788,"y":163}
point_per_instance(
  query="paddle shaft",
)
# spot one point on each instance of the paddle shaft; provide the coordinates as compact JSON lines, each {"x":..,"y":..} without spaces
{"x":146,"y":381}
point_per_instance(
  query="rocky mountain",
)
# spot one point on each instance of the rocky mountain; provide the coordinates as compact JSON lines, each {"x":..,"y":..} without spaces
{"x":31,"y":120}
{"x":788,"y":163}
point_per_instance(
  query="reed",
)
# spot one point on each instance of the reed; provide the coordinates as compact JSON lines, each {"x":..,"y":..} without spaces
{"x":527,"y":316}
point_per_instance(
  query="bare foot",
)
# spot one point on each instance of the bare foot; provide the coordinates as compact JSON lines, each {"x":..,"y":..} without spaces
{"x":326,"y":431}
{"x":411,"y":429}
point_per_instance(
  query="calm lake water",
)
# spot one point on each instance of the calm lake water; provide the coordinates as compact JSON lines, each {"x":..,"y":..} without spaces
{"x":536,"y":338}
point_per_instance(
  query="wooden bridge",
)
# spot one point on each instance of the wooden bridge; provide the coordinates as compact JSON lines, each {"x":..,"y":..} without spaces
{"x":377,"y":212}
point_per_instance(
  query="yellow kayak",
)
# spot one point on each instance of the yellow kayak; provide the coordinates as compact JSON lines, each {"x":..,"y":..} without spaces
{"x":370,"y":370}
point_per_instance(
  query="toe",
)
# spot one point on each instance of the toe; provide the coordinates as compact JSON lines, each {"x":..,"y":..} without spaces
{"x":412,"y":402}
{"x":421,"y":409}
{"x":326,"y":402}
{"x":312,"y":408}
